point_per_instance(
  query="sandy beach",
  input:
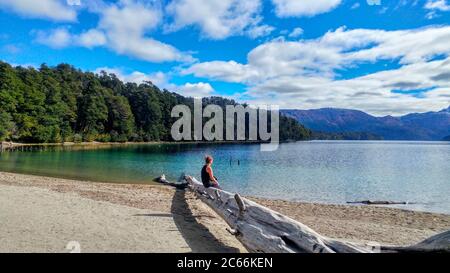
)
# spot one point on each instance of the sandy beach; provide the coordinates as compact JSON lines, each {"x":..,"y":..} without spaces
{"x":43,"y":214}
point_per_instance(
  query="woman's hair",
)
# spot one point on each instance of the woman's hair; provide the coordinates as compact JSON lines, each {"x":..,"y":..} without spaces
{"x":208,"y":159}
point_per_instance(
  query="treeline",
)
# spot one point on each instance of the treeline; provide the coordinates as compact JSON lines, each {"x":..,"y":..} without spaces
{"x":345,"y":136}
{"x":64,"y":104}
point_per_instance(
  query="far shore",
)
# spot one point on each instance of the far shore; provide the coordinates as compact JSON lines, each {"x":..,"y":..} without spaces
{"x":43,"y":214}
{"x":9,"y":144}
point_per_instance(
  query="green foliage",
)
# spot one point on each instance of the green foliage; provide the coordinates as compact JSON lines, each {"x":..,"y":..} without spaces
{"x":57,"y":104}
{"x":92,"y":111}
{"x":291,"y":130}
{"x":77,"y":138}
{"x":6,"y":125}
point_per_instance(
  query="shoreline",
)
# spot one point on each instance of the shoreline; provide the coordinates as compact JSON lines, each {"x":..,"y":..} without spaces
{"x":6,"y":146}
{"x":93,"y":143}
{"x":254,"y":197}
{"x":192,"y":225}
{"x":97,"y":143}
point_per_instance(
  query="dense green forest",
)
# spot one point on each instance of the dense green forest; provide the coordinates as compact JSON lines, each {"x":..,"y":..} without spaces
{"x":64,"y":104}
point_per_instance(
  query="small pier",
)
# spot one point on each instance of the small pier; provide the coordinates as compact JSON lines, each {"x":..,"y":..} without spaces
{"x":4,"y":146}
{"x":13,"y":147}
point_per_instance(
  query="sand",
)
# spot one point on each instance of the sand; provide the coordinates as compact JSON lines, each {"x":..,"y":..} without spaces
{"x":39,"y":220}
{"x":365,"y":224}
{"x":42,"y":214}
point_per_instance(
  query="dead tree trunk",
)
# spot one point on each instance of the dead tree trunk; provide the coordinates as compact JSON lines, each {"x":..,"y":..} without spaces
{"x":162,"y":179}
{"x":261,"y":229}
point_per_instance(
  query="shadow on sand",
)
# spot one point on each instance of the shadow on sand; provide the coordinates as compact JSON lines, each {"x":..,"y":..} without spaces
{"x":168,"y":215}
{"x":197,"y":236}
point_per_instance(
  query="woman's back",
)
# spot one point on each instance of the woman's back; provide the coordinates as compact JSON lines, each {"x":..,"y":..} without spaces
{"x":205,"y":176}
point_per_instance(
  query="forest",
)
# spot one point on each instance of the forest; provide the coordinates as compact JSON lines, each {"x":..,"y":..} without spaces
{"x":345,"y":136}
{"x":64,"y":104}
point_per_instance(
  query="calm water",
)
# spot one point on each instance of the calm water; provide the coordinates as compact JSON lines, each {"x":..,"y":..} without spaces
{"x":328,"y":172}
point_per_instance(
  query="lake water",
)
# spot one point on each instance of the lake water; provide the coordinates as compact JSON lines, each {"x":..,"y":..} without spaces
{"x":322,"y":171}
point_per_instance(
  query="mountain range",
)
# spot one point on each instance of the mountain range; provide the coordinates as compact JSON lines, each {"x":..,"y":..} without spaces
{"x":415,"y":126}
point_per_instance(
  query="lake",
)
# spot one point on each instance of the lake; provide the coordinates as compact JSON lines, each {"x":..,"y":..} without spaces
{"x":318,"y":171}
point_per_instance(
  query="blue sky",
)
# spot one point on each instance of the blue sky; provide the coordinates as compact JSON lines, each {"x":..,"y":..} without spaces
{"x":383,"y":57}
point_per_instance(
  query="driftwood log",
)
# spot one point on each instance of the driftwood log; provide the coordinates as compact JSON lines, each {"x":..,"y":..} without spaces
{"x":370,"y":202}
{"x":162,"y":180}
{"x":261,"y":229}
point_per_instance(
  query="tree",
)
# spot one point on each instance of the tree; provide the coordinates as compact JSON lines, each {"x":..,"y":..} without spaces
{"x":10,"y":85}
{"x":56,"y":104}
{"x":6,"y":126}
{"x":120,"y":119}
{"x":31,"y":109}
{"x":92,"y":111}
{"x":146,"y":110}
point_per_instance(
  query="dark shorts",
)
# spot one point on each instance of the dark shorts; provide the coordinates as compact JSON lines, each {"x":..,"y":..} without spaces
{"x":210,"y":184}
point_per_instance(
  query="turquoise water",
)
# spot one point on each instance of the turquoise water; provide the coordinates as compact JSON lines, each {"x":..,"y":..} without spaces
{"x":327,"y":172}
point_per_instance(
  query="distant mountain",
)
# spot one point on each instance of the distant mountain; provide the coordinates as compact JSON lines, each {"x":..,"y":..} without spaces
{"x":417,"y":126}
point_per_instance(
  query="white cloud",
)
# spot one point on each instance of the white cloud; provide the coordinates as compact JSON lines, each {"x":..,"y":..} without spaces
{"x":441,"y":5}
{"x":335,"y":50}
{"x":218,"y":19}
{"x":123,"y":28}
{"x":195,"y":90}
{"x":259,"y":31}
{"x":431,"y":15}
{"x":73,"y":2}
{"x":297,"y":8}
{"x":371,"y":93}
{"x":57,"y":38}
{"x":296,"y":32}
{"x":226,"y":71}
{"x":304,"y":73}
{"x":158,"y":78}
{"x":356,"y":5}
{"x":11,"y":49}
{"x":436,"y":6}
{"x":161,"y":80}
{"x":92,"y":38}
{"x":408,"y":45}
{"x":56,"y":10}
{"x":61,"y":38}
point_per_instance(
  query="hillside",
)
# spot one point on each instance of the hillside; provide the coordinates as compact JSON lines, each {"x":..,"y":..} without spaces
{"x":62,"y":103}
{"x":417,"y":126}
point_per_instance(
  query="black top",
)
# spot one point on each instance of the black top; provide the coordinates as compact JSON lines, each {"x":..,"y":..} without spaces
{"x":206,"y":180}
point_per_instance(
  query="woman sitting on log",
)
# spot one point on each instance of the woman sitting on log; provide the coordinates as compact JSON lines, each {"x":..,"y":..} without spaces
{"x":208,"y":178}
